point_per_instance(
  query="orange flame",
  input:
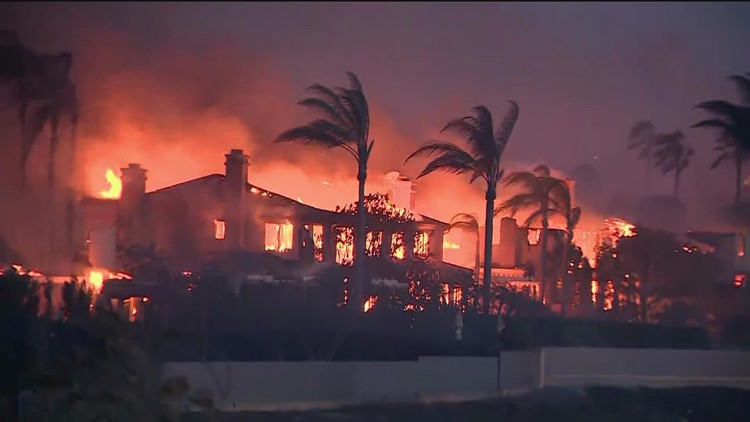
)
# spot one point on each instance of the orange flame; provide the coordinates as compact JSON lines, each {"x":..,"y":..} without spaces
{"x":370,"y":303}
{"x":115,"y":186}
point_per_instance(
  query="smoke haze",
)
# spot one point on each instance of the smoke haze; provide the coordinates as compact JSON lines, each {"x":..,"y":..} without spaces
{"x":175,"y":86}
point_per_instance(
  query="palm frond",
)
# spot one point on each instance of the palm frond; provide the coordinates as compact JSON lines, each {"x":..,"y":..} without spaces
{"x":539,"y":215}
{"x":505,"y":129}
{"x":575,"y":217}
{"x":464,"y":221}
{"x":451,"y":159}
{"x":542,"y":170}
{"x":516,"y":203}
{"x":720,"y":159}
{"x":743,"y":85}
{"x":526,"y":179}
{"x":720,"y":108}
{"x":354,"y":81}
{"x":330,"y":97}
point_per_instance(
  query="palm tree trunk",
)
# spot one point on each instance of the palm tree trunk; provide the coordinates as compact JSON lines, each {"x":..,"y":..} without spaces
{"x":359,"y":247}
{"x":565,"y":267}
{"x":543,"y":255}
{"x":477,"y":265}
{"x":487,"y":279}
{"x":676,"y":183}
{"x":737,"y":177}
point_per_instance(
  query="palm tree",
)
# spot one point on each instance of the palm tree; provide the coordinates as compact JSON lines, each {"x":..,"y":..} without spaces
{"x":733,"y":121}
{"x":730,"y":150}
{"x":539,"y":194}
{"x":346,"y":125}
{"x":469,"y":223}
{"x":563,"y":206}
{"x":44,"y":93}
{"x":672,"y":154}
{"x":482,"y":161}
{"x":642,"y":138}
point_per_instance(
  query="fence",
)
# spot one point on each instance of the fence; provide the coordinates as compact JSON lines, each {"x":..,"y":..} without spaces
{"x":311,"y":384}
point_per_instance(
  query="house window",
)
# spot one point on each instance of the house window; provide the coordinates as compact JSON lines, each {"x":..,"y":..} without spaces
{"x":345,"y":246}
{"x":220,"y":229}
{"x":422,"y":244}
{"x":279,"y":237}
{"x":373,"y":243}
{"x":317,"y":235}
{"x":533,"y":236}
{"x":398,"y":249}
{"x":452,"y":239}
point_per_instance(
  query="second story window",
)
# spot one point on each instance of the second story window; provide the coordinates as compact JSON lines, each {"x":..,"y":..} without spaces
{"x":220,"y":229}
{"x":279,"y":237}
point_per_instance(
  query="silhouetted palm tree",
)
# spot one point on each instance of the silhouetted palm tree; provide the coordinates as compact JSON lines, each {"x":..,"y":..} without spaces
{"x":346,"y":125}
{"x":481,"y":161}
{"x":672,"y":154}
{"x":563,"y":203}
{"x":730,"y":150}
{"x":733,"y":121}
{"x":469,"y":223}
{"x":642,"y":138}
{"x":44,"y":93}
{"x":540,"y":191}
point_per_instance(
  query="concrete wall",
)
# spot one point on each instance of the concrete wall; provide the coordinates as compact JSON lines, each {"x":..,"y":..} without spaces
{"x":645,"y":367}
{"x":300,"y":385}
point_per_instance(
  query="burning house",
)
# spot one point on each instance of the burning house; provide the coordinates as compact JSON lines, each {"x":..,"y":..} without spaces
{"x":224,"y":218}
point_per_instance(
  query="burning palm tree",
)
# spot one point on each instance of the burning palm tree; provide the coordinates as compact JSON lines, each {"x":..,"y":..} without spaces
{"x":346,"y":125}
{"x":672,"y":154}
{"x":733,"y":121}
{"x":482,"y":161}
{"x":540,"y":193}
{"x":468,"y":223}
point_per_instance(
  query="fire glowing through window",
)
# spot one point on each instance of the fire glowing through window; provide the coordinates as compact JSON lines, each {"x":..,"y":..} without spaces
{"x":317,"y":234}
{"x":279,"y":237}
{"x":398,"y":249}
{"x":533,"y":236}
{"x":220,"y":229}
{"x":452,"y":239}
{"x":345,"y":246}
{"x":422,"y":244}
{"x":373,"y":243}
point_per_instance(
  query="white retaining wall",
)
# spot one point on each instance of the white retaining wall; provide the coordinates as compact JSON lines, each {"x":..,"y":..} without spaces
{"x":300,"y":385}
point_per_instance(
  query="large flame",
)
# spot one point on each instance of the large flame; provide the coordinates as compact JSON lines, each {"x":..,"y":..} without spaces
{"x":115,"y":186}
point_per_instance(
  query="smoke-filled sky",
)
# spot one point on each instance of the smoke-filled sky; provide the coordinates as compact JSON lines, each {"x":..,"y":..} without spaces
{"x":174,"y":86}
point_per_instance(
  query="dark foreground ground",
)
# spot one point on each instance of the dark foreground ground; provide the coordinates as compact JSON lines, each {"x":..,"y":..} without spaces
{"x":559,"y":405}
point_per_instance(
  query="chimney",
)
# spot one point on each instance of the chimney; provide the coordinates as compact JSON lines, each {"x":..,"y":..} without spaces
{"x":131,"y":201}
{"x":401,"y":192}
{"x":236,"y":169}
{"x":133,"y":186}
{"x":235,"y":184}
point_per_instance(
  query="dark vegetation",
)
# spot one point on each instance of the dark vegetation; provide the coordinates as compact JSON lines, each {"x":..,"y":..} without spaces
{"x":591,"y":404}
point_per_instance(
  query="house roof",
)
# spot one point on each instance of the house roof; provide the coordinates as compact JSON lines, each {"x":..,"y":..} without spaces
{"x":274,"y":197}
